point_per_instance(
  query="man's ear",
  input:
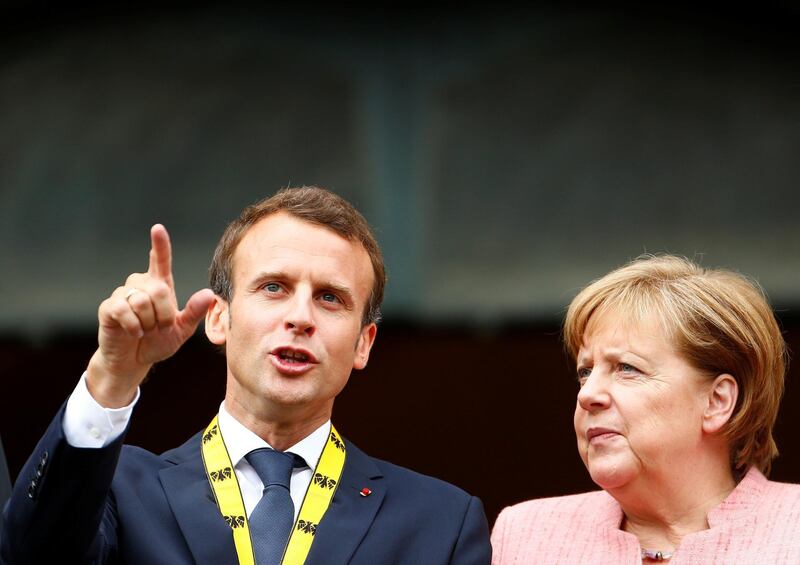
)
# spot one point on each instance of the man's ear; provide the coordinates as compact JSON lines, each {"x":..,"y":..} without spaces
{"x":722,"y":397}
{"x":217,"y":321}
{"x":364,"y":345}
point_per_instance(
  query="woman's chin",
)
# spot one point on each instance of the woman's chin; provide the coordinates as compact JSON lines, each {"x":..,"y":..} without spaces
{"x":611,"y":474}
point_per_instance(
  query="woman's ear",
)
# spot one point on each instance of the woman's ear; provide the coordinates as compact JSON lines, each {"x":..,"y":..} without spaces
{"x":722,"y":397}
{"x":217,"y":321}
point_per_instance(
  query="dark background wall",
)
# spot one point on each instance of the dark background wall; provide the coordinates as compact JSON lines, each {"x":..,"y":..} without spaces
{"x":506,"y":155}
{"x":437,"y":399}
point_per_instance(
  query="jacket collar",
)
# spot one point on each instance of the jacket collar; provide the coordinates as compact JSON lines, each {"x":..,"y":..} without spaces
{"x":742,"y":500}
{"x":351,"y":513}
{"x":192,"y":502}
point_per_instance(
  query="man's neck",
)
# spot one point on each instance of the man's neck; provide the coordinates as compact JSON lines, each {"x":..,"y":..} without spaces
{"x":282,"y":430}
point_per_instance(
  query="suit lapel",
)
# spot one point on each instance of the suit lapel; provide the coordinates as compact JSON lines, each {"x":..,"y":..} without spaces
{"x":350,"y":514}
{"x":192,"y":502}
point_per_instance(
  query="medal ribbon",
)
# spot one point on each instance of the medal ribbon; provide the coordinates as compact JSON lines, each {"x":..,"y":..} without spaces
{"x":222,"y":478}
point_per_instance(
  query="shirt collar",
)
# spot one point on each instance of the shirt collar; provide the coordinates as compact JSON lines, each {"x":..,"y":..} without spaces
{"x":239,"y":440}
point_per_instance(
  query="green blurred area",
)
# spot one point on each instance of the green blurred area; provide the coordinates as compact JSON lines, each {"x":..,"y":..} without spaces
{"x":506,"y":155}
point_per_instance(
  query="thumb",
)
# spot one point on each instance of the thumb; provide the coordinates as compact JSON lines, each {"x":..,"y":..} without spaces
{"x":195,"y":309}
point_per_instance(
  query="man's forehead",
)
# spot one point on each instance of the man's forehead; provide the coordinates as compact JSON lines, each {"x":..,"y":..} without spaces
{"x":288,"y":225}
{"x":282,"y":230}
{"x":281,"y":237}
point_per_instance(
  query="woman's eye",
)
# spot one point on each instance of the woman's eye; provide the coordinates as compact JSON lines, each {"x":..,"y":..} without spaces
{"x":626,"y":368}
{"x":583,"y":374}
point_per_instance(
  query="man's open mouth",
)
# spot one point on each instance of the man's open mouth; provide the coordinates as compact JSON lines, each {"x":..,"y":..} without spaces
{"x":293,"y":356}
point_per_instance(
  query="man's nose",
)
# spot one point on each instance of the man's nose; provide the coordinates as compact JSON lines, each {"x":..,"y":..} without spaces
{"x":299,"y":318}
{"x":594,"y":394}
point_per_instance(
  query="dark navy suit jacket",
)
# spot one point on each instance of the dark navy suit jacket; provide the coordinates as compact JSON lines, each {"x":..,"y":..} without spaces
{"x":122,"y":504}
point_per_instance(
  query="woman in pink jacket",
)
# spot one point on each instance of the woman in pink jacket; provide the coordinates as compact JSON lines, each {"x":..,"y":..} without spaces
{"x":681,"y":372}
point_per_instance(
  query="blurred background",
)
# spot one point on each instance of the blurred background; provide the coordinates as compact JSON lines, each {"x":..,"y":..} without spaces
{"x":506,"y":154}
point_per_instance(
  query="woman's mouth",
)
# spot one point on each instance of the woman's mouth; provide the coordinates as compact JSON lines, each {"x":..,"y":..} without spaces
{"x":598,"y":435}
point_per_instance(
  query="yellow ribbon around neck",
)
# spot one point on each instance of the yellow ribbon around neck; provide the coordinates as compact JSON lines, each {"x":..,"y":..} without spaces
{"x":222,"y":478}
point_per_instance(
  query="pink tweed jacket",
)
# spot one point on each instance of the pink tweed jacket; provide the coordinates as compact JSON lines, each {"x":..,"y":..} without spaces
{"x":758,"y":523}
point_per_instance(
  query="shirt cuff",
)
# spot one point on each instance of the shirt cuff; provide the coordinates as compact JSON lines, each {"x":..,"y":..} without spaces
{"x":87,"y":424}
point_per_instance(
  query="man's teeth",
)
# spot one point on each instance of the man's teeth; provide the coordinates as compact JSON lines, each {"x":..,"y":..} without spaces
{"x":294,"y":356}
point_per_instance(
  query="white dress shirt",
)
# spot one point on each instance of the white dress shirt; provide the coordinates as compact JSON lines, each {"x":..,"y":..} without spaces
{"x":240,"y":441}
{"x":87,"y":424}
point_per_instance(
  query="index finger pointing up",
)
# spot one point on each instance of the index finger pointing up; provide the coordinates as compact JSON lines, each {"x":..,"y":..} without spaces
{"x":160,"y":253}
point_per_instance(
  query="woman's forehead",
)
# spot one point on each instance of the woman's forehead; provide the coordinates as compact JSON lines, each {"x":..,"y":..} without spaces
{"x":627,"y":323}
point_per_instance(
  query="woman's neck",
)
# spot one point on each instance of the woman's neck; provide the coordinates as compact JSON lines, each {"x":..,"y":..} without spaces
{"x":661,"y":510}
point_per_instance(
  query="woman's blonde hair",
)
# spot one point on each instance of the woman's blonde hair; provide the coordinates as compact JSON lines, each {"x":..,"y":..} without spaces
{"x":718,"y":320}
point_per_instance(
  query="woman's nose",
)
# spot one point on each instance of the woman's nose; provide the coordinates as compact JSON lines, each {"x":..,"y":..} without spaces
{"x":594,"y":393}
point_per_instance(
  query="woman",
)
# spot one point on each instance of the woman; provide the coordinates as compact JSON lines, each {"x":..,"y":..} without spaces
{"x":681,"y":372}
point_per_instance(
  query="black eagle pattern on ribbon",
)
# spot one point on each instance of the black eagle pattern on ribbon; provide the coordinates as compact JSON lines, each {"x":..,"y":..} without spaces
{"x":222,"y":474}
{"x":337,"y":442}
{"x":324,"y":481}
{"x":307,"y":527}
{"x":234,"y":521}
{"x":210,"y":434}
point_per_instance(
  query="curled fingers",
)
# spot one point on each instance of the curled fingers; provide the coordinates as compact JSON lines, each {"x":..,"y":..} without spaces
{"x":117,"y":310}
{"x":157,"y":303}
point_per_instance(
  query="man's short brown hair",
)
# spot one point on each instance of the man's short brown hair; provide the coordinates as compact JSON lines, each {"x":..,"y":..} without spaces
{"x":311,"y":204}
{"x":718,"y":320}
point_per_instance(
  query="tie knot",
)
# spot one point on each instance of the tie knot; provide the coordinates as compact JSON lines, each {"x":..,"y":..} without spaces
{"x":273,"y":467}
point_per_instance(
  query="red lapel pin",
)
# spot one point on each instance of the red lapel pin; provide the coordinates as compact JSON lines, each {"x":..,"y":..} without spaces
{"x":365,"y":492}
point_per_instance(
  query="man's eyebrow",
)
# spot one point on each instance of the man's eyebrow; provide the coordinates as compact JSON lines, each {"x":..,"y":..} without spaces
{"x":269,"y":275}
{"x":339,"y":289}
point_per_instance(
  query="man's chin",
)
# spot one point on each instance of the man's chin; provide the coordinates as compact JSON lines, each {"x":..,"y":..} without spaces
{"x":292,"y":395}
{"x":287,"y":398}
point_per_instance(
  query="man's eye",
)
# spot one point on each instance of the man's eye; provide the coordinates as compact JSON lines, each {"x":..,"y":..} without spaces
{"x":272,"y":287}
{"x":329,"y":297}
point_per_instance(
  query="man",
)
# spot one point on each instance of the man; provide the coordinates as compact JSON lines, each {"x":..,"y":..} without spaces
{"x":297,"y":285}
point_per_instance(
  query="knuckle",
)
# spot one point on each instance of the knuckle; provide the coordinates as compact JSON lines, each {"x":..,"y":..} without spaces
{"x":118,"y":308}
{"x":105,"y":309}
{"x":134,"y":279}
{"x":120,"y":290}
{"x":138,"y":300}
{"x":160,"y":291}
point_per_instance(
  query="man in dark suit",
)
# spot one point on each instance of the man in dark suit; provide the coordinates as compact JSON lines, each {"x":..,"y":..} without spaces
{"x":297,"y":285}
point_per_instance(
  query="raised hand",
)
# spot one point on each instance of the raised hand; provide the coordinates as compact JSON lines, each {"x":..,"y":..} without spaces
{"x":140,"y":324}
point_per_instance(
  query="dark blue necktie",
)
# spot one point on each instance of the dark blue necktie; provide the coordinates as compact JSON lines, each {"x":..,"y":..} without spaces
{"x":272,"y":518}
